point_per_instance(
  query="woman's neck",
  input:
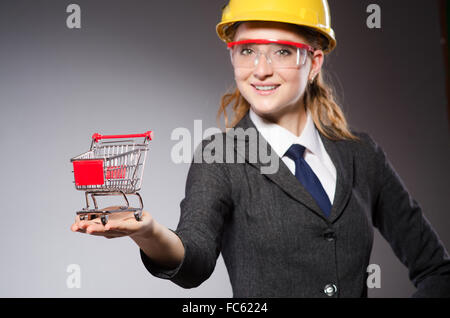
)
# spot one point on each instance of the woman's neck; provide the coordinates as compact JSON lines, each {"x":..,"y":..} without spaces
{"x":293,"y":120}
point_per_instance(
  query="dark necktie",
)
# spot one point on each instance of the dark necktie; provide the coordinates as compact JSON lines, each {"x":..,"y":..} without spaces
{"x":308,"y":179}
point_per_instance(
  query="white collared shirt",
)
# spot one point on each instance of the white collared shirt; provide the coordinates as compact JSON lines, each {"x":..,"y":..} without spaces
{"x":280,"y":139}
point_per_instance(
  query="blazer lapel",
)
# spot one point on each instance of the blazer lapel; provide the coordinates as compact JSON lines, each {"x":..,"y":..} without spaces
{"x":342,"y":159}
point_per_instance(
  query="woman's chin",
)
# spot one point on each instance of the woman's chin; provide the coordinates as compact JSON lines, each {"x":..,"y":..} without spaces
{"x":265,"y":110}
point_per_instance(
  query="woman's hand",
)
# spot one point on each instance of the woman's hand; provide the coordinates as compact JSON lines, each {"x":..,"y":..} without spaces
{"x":119,"y":224}
{"x":159,"y":243}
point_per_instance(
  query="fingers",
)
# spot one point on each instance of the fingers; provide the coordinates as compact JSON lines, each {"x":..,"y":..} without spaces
{"x":97,"y":230}
{"x":128,"y":225}
{"x":112,"y":229}
{"x":118,"y":225}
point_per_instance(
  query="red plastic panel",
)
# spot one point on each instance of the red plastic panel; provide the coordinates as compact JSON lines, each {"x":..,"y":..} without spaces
{"x":116,"y":172}
{"x":88,"y":172}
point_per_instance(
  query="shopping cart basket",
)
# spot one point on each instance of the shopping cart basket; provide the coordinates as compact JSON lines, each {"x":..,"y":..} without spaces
{"x":113,"y":166}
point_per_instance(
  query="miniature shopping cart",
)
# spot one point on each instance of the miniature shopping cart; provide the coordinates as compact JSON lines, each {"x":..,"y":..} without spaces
{"x":113,"y":166}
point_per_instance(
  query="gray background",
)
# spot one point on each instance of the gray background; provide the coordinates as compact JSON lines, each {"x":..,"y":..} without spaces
{"x":140,"y":65}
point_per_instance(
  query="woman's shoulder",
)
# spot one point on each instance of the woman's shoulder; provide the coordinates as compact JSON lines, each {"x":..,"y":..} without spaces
{"x":363,"y":141}
{"x":366,"y":149}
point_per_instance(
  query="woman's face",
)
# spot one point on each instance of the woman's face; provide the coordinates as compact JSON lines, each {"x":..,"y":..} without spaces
{"x":290,"y":83}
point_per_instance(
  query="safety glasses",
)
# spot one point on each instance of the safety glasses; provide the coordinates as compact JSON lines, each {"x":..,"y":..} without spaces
{"x":279,"y":54}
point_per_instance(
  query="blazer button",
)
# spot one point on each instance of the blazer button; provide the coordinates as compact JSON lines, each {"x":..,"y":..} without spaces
{"x":329,"y":236}
{"x":330,"y":290}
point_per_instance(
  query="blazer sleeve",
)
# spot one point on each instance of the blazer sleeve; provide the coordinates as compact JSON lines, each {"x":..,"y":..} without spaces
{"x":400,"y":220}
{"x":204,"y":211}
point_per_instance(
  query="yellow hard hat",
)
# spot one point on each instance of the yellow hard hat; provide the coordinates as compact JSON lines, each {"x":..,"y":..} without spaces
{"x":314,"y":14}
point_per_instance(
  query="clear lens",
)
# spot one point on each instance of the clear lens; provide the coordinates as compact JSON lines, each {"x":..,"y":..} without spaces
{"x":278,"y":55}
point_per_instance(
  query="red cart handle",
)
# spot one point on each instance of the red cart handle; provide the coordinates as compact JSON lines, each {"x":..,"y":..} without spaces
{"x":148,"y":135}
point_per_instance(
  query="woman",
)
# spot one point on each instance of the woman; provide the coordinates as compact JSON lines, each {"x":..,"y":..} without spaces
{"x":305,"y":230}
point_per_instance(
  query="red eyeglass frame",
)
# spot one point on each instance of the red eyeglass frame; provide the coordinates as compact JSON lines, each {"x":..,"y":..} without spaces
{"x":262,"y":41}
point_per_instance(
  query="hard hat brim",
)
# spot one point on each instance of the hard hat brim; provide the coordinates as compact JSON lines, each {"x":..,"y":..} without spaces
{"x":222,"y":27}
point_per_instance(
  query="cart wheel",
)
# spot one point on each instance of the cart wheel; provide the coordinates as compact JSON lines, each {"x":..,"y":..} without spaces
{"x":138,"y":215}
{"x":104,"y":219}
{"x":82,"y":217}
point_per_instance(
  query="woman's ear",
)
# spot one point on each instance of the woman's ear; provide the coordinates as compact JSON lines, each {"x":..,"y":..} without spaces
{"x":316,"y":64}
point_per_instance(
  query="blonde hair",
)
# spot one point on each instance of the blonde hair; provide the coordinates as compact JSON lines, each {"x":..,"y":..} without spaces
{"x":318,"y":98}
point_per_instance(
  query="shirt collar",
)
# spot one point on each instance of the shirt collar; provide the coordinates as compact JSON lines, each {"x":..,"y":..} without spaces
{"x":280,"y":139}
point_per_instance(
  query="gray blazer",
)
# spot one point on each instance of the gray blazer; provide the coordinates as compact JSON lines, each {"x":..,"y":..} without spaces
{"x":275,"y":240}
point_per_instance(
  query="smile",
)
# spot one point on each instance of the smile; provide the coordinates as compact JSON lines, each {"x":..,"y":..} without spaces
{"x":265,"y":89}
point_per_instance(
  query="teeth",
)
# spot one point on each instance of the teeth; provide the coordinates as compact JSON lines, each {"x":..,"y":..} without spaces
{"x":265,"y":88}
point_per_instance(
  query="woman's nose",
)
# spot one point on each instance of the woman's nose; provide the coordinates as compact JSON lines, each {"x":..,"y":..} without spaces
{"x":263,"y":67}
